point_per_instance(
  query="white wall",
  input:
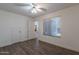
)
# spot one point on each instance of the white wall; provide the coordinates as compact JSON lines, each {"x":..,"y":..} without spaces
{"x":69,"y":28}
{"x":13,"y":28}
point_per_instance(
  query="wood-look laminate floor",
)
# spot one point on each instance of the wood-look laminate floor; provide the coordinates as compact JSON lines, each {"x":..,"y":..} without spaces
{"x":28,"y":48}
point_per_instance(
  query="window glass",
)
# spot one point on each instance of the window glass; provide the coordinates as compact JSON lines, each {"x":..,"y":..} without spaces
{"x":52,"y":27}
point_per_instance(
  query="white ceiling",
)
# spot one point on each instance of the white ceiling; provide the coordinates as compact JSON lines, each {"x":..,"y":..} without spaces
{"x":51,"y":7}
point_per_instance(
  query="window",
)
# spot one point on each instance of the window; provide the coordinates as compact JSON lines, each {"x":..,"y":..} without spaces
{"x":36,"y":25}
{"x":52,"y":27}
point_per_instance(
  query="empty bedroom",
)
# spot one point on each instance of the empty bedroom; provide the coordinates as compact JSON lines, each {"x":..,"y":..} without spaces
{"x":39,"y":29}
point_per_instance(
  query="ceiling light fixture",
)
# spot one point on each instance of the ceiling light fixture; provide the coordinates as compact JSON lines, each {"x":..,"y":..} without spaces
{"x":34,"y":10}
{"x":32,"y":7}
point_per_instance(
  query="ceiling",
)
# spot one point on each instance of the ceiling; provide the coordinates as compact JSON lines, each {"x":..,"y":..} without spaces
{"x":51,"y":7}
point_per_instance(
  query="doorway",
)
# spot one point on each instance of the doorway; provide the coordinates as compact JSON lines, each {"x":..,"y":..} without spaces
{"x":36,"y":29}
